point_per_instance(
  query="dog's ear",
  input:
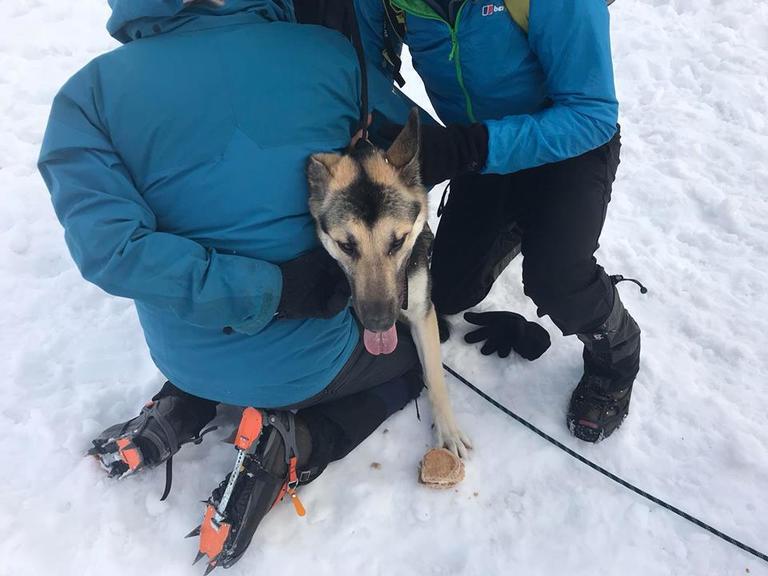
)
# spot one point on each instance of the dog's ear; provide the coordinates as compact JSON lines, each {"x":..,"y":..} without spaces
{"x":319,"y":173}
{"x":404,"y":152}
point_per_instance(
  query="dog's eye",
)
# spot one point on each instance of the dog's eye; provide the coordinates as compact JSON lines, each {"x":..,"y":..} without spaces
{"x":396,"y":245}
{"x":347,"y":247}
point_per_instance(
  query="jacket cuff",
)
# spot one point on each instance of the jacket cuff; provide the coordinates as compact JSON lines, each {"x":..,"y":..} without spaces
{"x":272,"y":288}
{"x":477,"y":134}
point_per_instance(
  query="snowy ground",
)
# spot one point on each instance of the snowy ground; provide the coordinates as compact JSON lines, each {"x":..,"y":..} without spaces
{"x":689,"y":217}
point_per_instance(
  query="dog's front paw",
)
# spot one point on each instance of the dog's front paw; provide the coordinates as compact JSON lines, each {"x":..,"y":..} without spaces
{"x":450,"y":437}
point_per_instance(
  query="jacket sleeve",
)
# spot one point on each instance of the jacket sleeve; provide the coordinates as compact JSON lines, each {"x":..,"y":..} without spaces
{"x":113,"y":234}
{"x":572,"y":42}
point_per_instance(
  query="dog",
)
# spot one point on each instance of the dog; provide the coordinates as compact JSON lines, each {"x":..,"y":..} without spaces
{"x":370,"y":209}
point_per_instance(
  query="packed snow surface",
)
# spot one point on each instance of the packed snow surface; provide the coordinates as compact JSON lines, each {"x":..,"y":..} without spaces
{"x":689,"y":217}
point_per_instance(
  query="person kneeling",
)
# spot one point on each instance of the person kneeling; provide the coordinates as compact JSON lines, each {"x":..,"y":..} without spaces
{"x":176,"y":167}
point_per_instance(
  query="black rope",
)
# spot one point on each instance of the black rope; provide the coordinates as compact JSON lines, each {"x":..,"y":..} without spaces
{"x":605,"y":472}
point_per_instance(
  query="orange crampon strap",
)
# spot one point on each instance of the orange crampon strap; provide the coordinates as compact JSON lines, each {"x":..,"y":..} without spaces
{"x":289,"y":439}
{"x":297,"y":505}
{"x":293,"y":478}
{"x":129,"y":453}
{"x":290,"y":487}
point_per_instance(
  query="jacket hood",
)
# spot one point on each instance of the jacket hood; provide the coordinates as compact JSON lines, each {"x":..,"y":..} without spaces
{"x":133,"y":19}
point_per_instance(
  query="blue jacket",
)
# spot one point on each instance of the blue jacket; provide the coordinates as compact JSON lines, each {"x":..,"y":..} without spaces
{"x":176,"y":164}
{"x":545,"y":95}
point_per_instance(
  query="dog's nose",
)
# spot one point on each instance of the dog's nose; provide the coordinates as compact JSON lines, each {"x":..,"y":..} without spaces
{"x":377,"y":315}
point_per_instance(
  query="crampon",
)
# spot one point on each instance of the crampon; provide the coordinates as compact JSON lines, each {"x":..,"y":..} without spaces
{"x":263,"y":474}
{"x":152,"y":437}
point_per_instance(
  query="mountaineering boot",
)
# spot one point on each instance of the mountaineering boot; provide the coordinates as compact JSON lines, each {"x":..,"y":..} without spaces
{"x":171,"y":419}
{"x":271,"y":448}
{"x":600,"y":402}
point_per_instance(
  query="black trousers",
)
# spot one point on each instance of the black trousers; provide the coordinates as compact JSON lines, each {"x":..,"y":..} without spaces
{"x":367,"y":391}
{"x":554,"y":213}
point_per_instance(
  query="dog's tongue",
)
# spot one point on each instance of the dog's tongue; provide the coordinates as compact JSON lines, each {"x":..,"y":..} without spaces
{"x":380,"y":342}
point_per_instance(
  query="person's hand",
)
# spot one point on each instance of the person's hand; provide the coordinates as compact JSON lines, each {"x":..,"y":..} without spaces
{"x":445,"y":152}
{"x":507,"y":331}
{"x":359,"y":134}
{"x":313,"y":287}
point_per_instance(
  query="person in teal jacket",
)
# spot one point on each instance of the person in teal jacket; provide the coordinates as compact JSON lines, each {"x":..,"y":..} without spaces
{"x":530,"y":145}
{"x":175,"y":164}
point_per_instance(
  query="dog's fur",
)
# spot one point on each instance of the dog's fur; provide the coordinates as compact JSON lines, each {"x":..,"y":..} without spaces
{"x":371,"y":213}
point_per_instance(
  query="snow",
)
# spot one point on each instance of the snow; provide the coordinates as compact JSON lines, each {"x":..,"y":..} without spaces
{"x":689,"y":217}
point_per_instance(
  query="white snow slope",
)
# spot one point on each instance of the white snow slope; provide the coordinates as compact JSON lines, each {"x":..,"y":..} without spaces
{"x":689,"y":217}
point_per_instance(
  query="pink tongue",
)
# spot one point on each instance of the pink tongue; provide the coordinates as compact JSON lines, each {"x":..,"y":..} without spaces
{"x":380,"y":342}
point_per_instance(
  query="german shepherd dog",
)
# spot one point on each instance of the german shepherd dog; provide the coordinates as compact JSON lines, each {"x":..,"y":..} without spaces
{"x":371,"y":214}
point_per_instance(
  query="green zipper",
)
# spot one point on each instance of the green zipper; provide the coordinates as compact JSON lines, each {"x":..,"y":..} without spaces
{"x":455,"y":54}
{"x":422,"y":10}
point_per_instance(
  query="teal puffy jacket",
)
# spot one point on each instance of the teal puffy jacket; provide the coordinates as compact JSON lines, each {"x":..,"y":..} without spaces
{"x":545,"y":95}
{"x":176,"y":165}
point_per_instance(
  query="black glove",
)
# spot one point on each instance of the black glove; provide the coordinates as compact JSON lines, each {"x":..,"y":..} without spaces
{"x":313,"y":287}
{"x":445,"y":151}
{"x":506,"y":331}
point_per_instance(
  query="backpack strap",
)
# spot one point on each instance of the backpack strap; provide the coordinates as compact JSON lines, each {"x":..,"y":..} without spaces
{"x":519,"y":10}
{"x":392,"y":34}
